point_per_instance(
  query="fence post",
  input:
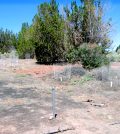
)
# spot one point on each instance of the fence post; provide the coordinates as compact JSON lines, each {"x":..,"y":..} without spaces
{"x":53,"y":103}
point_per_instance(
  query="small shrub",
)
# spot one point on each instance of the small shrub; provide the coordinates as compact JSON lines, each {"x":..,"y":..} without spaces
{"x":86,"y":78}
{"x":114,"y":57}
{"x":72,"y":56}
{"x":90,"y":57}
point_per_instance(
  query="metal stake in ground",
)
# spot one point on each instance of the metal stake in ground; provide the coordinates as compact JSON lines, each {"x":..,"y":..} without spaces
{"x":53,"y":105}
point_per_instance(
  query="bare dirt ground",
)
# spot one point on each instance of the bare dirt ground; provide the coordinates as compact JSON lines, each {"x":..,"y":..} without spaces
{"x":84,"y":104}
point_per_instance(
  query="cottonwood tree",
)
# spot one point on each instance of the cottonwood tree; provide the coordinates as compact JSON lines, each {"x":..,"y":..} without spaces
{"x":73,"y":24}
{"x":86,"y":23}
{"x":88,"y":33}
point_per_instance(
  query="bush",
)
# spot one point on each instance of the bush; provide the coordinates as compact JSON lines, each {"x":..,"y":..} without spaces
{"x":89,"y":57}
{"x":114,"y":57}
{"x":72,"y":56}
{"x":92,"y":58}
{"x":43,"y":55}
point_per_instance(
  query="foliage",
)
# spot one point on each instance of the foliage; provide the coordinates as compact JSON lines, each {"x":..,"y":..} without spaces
{"x":114,"y":57}
{"x":88,"y":34}
{"x":72,"y":55}
{"x":90,"y":57}
{"x":93,"y":57}
{"x":25,"y":41}
{"x":85,"y":24}
{"x":80,"y":35}
{"x":48,"y":33}
{"x":84,"y":79}
{"x":118,"y":49}
{"x":8,"y":40}
{"x":73,"y":24}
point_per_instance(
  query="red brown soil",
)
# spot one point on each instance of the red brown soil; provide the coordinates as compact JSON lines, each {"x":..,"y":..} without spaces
{"x":43,"y":70}
{"x":115,"y":65}
{"x":39,"y":70}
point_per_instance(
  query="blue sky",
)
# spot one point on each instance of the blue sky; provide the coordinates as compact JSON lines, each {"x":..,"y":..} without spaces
{"x":14,"y":12}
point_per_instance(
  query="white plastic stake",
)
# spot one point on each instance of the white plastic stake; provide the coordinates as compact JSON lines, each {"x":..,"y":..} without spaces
{"x":61,"y":79}
{"x":111,"y":84}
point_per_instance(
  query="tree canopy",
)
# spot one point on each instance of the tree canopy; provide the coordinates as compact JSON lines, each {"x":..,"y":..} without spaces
{"x":7,"y":40}
{"x":53,"y":37}
{"x":48,"y":33}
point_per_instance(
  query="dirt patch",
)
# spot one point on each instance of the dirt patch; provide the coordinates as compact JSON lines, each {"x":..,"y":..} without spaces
{"x":42,"y":70}
{"x":115,"y":65}
{"x":83,"y":103}
{"x":11,"y":101}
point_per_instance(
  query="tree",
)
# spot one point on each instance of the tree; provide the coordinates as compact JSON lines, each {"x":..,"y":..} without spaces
{"x":48,"y":33}
{"x":86,"y":25}
{"x":118,"y":49}
{"x":7,"y":40}
{"x":73,"y":24}
{"x":25,"y":41}
{"x":86,"y":29}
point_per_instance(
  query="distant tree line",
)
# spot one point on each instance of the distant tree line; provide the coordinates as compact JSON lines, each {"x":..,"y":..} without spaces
{"x":75,"y":35}
{"x":7,"y":40}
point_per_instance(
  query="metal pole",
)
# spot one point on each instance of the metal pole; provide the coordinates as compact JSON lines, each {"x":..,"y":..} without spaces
{"x":53,"y":103}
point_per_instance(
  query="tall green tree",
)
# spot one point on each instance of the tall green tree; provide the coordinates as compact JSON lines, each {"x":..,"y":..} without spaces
{"x":94,"y":29}
{"x":73,"y":24}
{"x":25,"y":41}
{"x":86,"y":25}
{"x":88,"y":33}
{"x":48,"y":33}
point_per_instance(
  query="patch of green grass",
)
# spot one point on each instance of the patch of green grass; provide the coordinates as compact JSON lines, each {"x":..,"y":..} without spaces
{"x":82,"y":80}
{"x":21,"y":75}
{"x":86,"y":78}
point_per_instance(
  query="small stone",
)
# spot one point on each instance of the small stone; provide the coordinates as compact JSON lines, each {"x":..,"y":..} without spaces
{"x":99,"y":105}
{"x":32,"y":110}
{"x":51,"y":117}
{"x":42,"y":117}
{"x":110,"y":117}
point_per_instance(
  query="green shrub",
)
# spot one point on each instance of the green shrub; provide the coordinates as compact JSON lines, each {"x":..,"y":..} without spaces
{"x":72,"y":56}
{"x":90,"y":57}
{"x":43,"y":55}
{"x":114,"y":57}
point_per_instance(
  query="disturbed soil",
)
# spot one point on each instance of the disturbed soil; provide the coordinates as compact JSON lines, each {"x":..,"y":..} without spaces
{"x":86,"y":103}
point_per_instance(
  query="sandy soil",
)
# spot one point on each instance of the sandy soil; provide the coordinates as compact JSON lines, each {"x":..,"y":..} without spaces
{"x":85,"y":105}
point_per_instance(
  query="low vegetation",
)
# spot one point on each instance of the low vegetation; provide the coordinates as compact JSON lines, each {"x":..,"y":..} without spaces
{"x":114,"y":57}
